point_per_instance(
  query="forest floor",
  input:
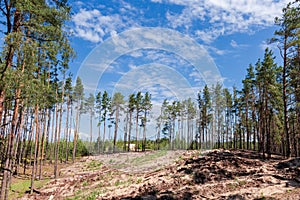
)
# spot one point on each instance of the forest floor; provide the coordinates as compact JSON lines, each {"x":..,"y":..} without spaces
{"x":216,"y":174}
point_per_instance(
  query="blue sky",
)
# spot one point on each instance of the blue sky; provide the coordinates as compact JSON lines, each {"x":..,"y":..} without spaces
{"x":234,"y":33}
{"x":171,"y":48}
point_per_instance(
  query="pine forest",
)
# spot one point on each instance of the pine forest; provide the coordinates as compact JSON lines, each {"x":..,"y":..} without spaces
{"x":42,"y":104}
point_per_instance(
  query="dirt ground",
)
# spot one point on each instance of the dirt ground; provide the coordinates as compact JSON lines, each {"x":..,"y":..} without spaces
{"x":218,"y":174}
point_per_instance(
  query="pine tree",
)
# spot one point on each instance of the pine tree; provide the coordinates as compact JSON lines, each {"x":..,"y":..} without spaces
{"x":288,"y":37}
{"x":218,"y":112}
{"x":89,"y":105}
{"x":98,"y":110}
{"x":131,"y":108}
{"x":190,"y":115}
{"x":146,"y":106}
{"x":78,"y":98}
{"x":228,"y":115}
{"x":31,"y":42}
{"x":267,"y":73}
{"x":206,"y":115}
{"x":68,"y":127}
{"x":117,"y":106}
{"x":235,"y":110}
{"x":106,"y":103}
{"x":138,"y":108}
{"x":246,"y":100}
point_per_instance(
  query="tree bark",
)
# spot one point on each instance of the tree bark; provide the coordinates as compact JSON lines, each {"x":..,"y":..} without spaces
{"x":284,"y":96}
{"x":33,"y":172}
{"x":116,"y":128}
{"x":129,"y":133}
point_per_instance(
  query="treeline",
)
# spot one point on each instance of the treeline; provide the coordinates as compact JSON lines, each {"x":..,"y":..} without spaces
{"x":40,"y":110}
{"x":132,"y":113}
{"x":263,"y":115}
{"x":249,"y":118}
{"x":34,"y":60}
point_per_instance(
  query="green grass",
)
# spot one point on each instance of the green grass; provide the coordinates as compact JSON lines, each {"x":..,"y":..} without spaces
{"x":120,"y":166}
{"x":93,"y":196}
{"x":242,"y":182}
{"x":146,"y":158}
{"x":94,"y":165}
{"x":82,"y":195}
{"x":149,"y":157}
{"x":125,"y":182}
{"x":232,"y":186}
{"x":74,"y":198}
{"x":85,"y":183}
{"x":139,"y":180}
{"x":19,"y":187}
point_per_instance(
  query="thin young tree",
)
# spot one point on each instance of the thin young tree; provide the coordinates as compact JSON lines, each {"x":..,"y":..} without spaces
{"x":68,"y":94}
{"x":146,"y":106}
{"x":98,"y":109}
{"x":206,"y":115}
{"x":78,"y":98}
{"x":138,"y":108}
{"x":89,"y":106}
{"x":117,"y":105}
{"x":131,"y":108}
{"x":106,"y":103}
{"x":228,"y":114}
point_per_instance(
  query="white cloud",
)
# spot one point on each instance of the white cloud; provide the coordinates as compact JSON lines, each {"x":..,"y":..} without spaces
{"x":92,"y":25}
{"x":156,"y":1}
{"x":233,"y":44}
{"x":132,"y":67}
{"x":265,"y":45}
{"x":196,"y":76}
{"x":218,"y":17}
{"x":136,"y":54}
{"x":95,"y":26}
{"x":210,"y":34}
{"x":159,"y":80}
{"x":216,"y":50}
{"x":225,"y":17}
{"x":166,"y":40}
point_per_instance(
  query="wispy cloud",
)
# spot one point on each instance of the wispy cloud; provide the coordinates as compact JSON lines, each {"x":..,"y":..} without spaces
{"x":171,"y":43}
{"x":217,"y":51}
{"x":159,"y":80}
{"x":233,"y":44}
{"x":224,"y":17}
{"x":266,"y":44}
{"x":204,"y":19}
{"x":236,"y":45}
{"x":95,"y":25}
{"x":92,"y":25}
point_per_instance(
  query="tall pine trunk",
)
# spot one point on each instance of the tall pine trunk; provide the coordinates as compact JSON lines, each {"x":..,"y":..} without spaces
{"x":116,"y":128}
{"x":76,"y":131}
{"x":6,"y":180}
{"x":125,"y":132}
{"x":35,"y":162}
{"x":130,"y":126}
{"x":137,"y":130}
{"x":284,"y":97}
{"x":104,"y":132}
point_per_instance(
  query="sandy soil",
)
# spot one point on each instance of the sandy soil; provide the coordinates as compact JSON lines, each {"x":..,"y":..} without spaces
{"x":217,"y":174}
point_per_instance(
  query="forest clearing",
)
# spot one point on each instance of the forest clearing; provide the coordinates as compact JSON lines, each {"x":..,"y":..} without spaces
{"x":158,"y":99}
{"x":215,"y":174}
